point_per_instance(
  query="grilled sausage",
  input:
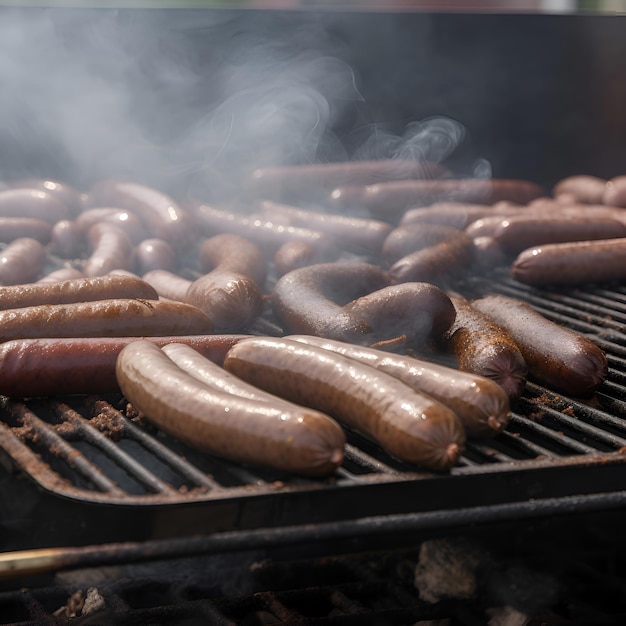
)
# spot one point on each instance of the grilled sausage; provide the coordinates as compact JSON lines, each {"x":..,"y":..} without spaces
{"x":457,"y":215}
{"x":103,"y":318}
{"x":123,"y":219}
{"x":75,"y":290}
{"x":293,"y":255}
{"x":392,"y":198}
{"x":12,"y":228}
{"x":32,"y":203}
{"x":64,"y":193}
{"x":420,"y":312}
{"x":301,"y":181}
{"x":480,"y":403}
{"x":484,"y":347}
{"x":409,"y":238}
{"x":355,"y":234}
{"x":154,"y":254}
{"x":288,"y":438}
{"x":410,"y":426}
{"x":269,"y":236}
{"x":21,"y":261}
{"x":556,"y":356}
{"x":66,"y":240}
{"x":586,"y":189}
{"x":310,"y":300}
{"x":163,"y":217}
{"x":575,"y":263}
{"x":233,"y":253}
{"x":61,"y":366}
{"x":111,"y":249}
{"x":168,"y":284}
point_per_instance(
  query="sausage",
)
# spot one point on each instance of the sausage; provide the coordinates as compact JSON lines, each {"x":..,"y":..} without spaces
{"x":556,"y":356}
{"x":310,"y":300}
{"x":111,"y":249}
{"x":311,"y":180}
{"x":103,"y":318}
{"x":231,"y":301}
{"x":410,"y":426}
{"x":63,"y":273}
{"x":484,"y":347}
{"x":123,"y":219}
{"x":409,"y":238}
{"x":575,"y":263}
{"x":12,"y":228}
{"x":81,"y":365}
{"x":21,"y":261}
{"x":355,"y":234}
{"x":420,"y":312}
{"x":293,"y":255}
{"x":233,"y":253}
{"x":454,"y":214}
{"x":293,"y":439}
{"x":163,"y":217}
{"x":33,"y":203}
{"x":168,"y":284}
{"x":435,"y":264}
{"x":154,"y":254}
{"x":264,"y":233}
{"x":518,"y":232}
{"x":487,"y":254}
{"x":75,"y":290}
{"x":586,"y":189}
{"x":66,"y":240}
{"x":480,"y":403}
{"x":392,"y":198}
{"x":64,"y":193}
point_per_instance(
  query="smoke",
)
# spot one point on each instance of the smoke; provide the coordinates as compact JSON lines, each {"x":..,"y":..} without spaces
{"x":186,"y":101}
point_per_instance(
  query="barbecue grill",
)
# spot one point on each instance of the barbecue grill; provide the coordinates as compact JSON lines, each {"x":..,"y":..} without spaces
{"x":98,"y":506}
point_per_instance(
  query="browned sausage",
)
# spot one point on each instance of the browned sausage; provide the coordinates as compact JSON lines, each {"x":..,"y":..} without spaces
{"x":111,"y":249}
{"x":310,"y":300}
{"x":155,"y":254}
{"x":168,"y":284}
{"x":231,"y":301}
{"x":420,"y":312}
{"x":64,"y":193}
{"x":353,"y":233}
{"x":103,"y":318}
{"x":123,"y":219}
{"x":290,"y":438}
{"x":293,"y":255}
{"x":21,"y":261}
{"x":454,"y":214}
{"x":575,"y":263}
{"x":163,"y":217}
{"x":556,"y":356}
{"x":269,"y":236}
{"x":233,"y":253}
{"x":12,"y":228}
{"x":518,"y":232}
{"x":392,"y":198}
{"x":410,"y":426}
{"x":481,"y":404}
{"x":409,"y":238}
{"x":483,"y":347}
{"x":32,"y":203}
{"x":75,"y":290}
{"x":586,"y":189}
{"x":60,"y":366}
{"x":301,"y":181}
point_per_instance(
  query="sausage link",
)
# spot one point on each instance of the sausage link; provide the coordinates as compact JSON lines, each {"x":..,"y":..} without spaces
{"x":32,"y":203}
{"x":454,"y":214}
{"x":103,"y":318}
{"x":480,"y":403}
{"x":410,"y":426}
{"x":63,"y":273}
{"x":12,"y":228}
{"x":111,"y":249}
{"x":64,"y":193}
{"x":409,"y":238}
{"x":168,"y":284}
{"x":575,"y":263}
{"x":123,"y":219}
{"x":293,"y":255}
{"x":62,"y":366}
{"x":66,"y":240}
{"x":556,"y":356}
{"x":288,"y":438}
{"x":21,"y":261}
{"x":484,"y":347}
{"x":154,"y":254}
{"x":586,"y":189}
{"x":75,"y":290}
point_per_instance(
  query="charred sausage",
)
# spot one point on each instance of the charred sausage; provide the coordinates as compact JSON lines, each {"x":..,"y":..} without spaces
{"x":556,"y":356}
{"x":410,"y":426}
{"x":480,"y":403}
{"x":288,"y":438}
